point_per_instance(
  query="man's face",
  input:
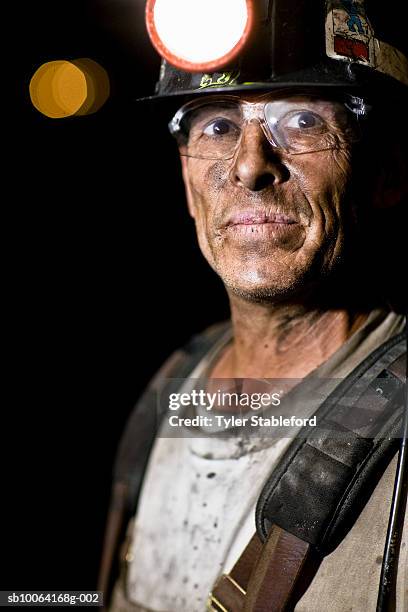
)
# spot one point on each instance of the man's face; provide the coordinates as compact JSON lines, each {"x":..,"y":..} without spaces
{"x":271,"y":222}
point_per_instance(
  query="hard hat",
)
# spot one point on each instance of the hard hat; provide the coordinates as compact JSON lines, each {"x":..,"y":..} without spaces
{"x":276,"y":44}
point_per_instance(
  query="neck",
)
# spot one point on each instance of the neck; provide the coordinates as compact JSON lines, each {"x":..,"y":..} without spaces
{"x":284,"y":340}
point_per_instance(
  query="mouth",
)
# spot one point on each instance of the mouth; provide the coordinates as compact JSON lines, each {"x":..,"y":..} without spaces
{"x":259,"y":218}
{"x":273,"y":228}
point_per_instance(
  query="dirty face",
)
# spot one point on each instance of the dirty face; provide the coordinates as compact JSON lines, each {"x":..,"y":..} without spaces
{"x":268,"y":221}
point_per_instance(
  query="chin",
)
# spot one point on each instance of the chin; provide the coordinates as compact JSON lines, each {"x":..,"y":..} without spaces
{"x":264,"y":295}
{"x":274,"y":280}
{"x":268,"y":291}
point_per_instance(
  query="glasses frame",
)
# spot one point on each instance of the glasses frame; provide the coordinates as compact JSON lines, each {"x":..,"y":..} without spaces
{"x":356,"y":106}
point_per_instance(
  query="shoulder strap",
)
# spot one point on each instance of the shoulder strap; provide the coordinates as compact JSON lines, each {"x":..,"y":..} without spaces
{"x":333,"y":478}
{"x":136,"y":444}
{"x":266,"y":577}
{"x":335,"y":473}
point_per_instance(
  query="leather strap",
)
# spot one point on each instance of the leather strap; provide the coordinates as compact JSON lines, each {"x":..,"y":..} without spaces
{"x":284,"y":571}
{"x":230,"y":589}
{"x":271,"y":578}
{"x":334,"y":469}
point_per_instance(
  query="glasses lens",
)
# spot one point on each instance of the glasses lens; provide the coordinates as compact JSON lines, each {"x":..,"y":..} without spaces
{"x":306,"y":125}
{"x":302,"y":124}
{"x":210,"y":130}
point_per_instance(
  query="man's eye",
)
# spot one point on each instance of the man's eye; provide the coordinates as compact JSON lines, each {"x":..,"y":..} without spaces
{"x":220,"y":127}
{"x":304,"y":120}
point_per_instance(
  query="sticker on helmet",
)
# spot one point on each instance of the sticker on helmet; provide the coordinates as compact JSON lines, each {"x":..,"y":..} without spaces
{"x":349,"y":34}
{"x":350,"y":37}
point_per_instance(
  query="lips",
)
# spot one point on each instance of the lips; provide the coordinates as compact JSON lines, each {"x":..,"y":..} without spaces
{"x":259,"y":218}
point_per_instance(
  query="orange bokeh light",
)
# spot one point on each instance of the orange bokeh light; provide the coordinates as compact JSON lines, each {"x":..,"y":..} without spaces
{"x":61,"y":88}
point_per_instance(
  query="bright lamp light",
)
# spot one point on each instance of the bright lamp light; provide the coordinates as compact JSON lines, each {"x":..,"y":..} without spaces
{"x":199,"y":35}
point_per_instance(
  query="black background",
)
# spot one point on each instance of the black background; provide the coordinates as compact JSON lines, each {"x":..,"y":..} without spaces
{"x":102,"y":280}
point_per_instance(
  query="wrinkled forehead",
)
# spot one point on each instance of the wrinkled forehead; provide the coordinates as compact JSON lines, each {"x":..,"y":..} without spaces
{"x":255,"y":104}
{"x":250,"y":102}
{"x":286,"y":94}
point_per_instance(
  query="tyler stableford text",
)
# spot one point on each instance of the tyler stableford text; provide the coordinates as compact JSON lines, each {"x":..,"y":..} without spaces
{"x":213,"y":402}
{"x":232,"y":421}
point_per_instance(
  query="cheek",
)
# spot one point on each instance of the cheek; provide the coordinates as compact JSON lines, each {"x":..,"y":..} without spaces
{"x":201,"y":185}
{"x":206,"y":181}
{"x":324,"y":180}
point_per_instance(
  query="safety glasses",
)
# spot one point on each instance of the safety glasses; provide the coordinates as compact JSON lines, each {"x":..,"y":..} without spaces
{"x":212,"y":128}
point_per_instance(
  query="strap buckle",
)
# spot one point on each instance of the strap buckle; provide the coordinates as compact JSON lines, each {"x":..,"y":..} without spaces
{"x":214,"y":605}
{"x":225,"y":585}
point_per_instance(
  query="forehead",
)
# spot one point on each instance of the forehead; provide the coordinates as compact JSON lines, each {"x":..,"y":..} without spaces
{"x":256,"y":101}
{"x":279,"y":95}
{"x":250,"y":102}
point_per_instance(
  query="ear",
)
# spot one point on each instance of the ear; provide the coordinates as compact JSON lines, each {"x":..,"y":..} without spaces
{"x":186,"y":179}
{"x":392,"y":183}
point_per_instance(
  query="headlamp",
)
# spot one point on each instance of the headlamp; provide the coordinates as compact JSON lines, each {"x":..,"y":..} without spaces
{"x":199,"y":35}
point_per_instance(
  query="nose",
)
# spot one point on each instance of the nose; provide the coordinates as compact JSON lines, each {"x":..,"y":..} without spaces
{"x":257,"y":164}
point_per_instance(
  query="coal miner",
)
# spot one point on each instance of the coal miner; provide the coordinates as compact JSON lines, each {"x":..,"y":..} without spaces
{"x":265,"y":466}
